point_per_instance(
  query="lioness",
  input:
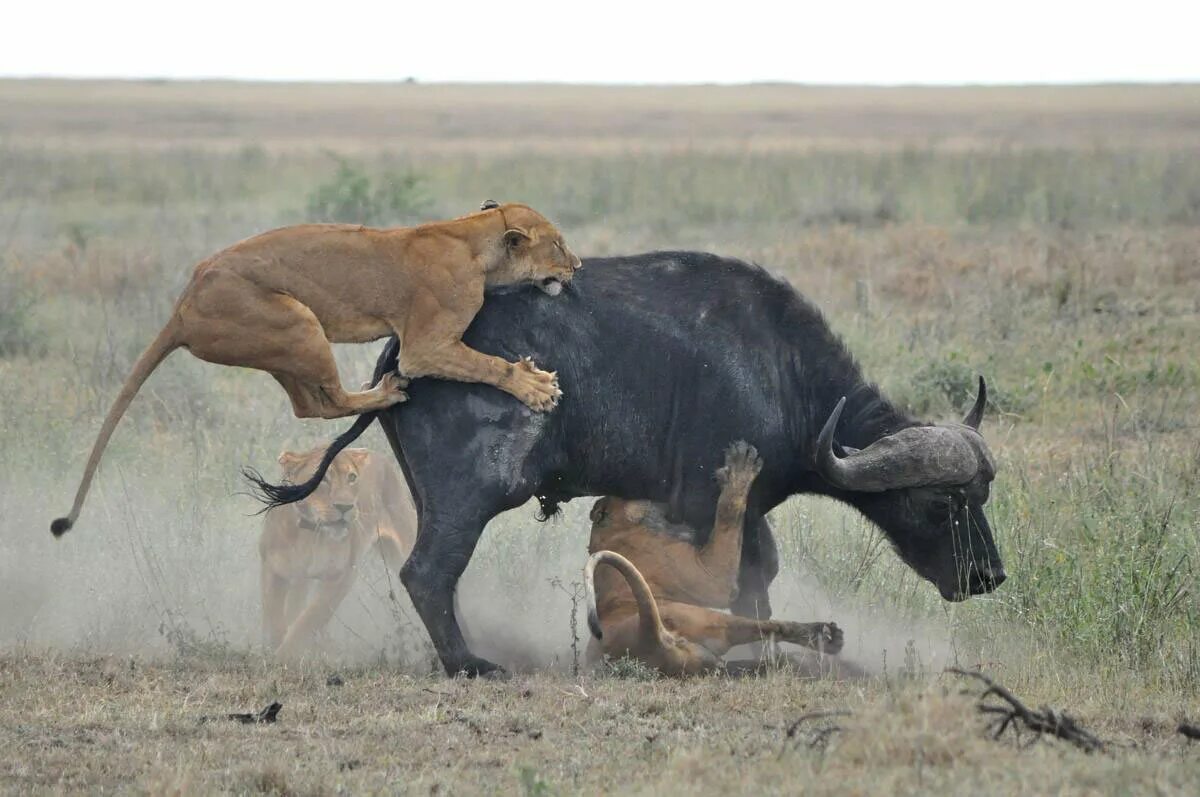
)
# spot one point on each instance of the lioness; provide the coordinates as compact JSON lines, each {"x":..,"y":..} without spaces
{"x":320,"y":541}
{"x":655,"y":601}
{"x":276,"y":301}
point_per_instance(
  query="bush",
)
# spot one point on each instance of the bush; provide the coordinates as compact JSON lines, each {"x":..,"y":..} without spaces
{"x":17,"y":300}
{"x":350,"y":197}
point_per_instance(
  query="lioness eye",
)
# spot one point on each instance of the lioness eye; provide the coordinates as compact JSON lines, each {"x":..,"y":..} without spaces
{"x":352,"y":478}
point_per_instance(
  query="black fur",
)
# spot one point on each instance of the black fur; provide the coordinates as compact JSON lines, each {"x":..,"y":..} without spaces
{"x":664,"y":359}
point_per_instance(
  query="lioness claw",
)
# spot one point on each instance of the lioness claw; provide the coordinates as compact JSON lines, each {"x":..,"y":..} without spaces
{"x":742,"y":464}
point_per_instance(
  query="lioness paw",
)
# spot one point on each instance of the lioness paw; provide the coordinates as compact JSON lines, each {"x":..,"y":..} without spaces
{"x":399,"y":380}
{"x":393,"y":384}
{"x":538,"y":389}
{"x":829,"y":638}
{"x":742,"y":464}
{"x":824,"y":637}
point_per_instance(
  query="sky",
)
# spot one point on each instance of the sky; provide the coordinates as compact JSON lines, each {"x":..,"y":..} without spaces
{"x":615,"y":41}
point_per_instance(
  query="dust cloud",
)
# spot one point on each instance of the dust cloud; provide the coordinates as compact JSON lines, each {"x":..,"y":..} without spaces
{"x":156,"y":572}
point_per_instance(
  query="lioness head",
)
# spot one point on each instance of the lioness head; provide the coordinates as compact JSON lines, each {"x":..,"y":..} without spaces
{"x":533,"y":250}
{"x":333,"y":505}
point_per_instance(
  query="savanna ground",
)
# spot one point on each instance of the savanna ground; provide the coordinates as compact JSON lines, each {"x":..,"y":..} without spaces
{"x":1047,"y":238}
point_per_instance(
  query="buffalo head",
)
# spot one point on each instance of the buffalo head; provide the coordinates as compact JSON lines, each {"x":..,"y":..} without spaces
{"x":925,"y":486}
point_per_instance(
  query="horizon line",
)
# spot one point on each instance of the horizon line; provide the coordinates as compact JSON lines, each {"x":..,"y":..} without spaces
{"x":415,"y":81}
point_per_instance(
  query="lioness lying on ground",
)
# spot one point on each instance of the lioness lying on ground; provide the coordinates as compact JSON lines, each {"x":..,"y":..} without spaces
{"x":655,"y":601}
{"x":320,"y":541}
{"x":276,"y":301}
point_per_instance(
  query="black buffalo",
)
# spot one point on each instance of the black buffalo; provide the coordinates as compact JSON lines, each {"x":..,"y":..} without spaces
{"x":664,"y":359}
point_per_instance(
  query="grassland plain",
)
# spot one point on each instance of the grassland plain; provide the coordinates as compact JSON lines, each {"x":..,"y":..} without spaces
{"x":1047,"y":238}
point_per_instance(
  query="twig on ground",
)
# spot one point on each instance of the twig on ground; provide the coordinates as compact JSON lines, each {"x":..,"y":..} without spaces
{"x":1045,"y":721}
{"x":265,"y":717}
{"x":819,"y":736}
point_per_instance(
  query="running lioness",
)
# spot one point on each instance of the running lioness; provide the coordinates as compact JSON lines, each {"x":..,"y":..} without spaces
{"x":276,"y":301}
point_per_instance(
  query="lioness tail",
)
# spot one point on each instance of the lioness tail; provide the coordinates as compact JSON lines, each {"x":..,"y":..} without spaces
{"x":154,"y":354}
{"x":650,"y":627}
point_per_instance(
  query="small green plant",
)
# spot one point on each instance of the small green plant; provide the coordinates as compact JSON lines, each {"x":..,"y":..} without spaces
{"x":631,"y":668}
{"x":352,"y":198}
{"x":940,"y":384}
{"x":532,"y":784}
{"x":17,"y":302}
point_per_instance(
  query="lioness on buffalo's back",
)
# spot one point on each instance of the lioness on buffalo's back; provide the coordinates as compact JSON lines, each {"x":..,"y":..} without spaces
{"x":275,"y":302}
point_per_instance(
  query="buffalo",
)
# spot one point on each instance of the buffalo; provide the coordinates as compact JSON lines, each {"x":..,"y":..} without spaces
{"x":664,"y":358}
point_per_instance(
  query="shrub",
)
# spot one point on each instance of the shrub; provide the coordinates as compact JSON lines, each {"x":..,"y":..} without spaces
{"x":17,"y":301}
{"x":352,"y":198}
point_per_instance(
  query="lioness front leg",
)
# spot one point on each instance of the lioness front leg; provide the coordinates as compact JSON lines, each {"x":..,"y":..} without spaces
{"x":328,"y":596}
{"x":536,"y":388}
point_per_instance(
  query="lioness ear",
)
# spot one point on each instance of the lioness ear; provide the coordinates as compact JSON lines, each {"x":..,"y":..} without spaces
{"x":515,"y":236}
{"x":635,"y":511}
{"x":359,"y":456}
{"x":288,"y":458}
{"x":489,"y":204}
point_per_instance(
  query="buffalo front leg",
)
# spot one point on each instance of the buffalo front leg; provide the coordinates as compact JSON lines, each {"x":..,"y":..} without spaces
{"x":759,"y":566}
{"x":538,"y":389}
{"x":441,"y":554}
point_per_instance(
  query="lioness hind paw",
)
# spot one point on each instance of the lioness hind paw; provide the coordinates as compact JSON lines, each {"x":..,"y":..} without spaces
{"x":830,"y":639}
{"x":741,"y":462}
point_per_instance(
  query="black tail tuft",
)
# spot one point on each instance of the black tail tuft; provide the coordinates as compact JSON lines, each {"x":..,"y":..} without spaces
{"x":273,"y":495}
{"x":60,"y":526}
{"x":548,"y":506}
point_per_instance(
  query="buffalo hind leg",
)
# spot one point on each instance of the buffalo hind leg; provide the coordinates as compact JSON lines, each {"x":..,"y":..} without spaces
{"x":441,"y":554}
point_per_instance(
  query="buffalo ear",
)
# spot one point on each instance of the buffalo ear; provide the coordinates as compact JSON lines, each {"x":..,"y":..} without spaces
{"x":515,"y":236}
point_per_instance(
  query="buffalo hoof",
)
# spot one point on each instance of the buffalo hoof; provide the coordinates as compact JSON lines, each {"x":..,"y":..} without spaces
{"x":475,"y":667}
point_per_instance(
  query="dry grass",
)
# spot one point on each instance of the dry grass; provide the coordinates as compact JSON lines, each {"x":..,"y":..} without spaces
{"x":483,"y":119}
{"x":128,"y":725}
{"x":1047,"y":238}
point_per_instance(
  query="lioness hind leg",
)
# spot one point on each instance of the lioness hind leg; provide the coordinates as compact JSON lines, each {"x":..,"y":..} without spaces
{"x":231,"y":321}
{"x":719,"y":632}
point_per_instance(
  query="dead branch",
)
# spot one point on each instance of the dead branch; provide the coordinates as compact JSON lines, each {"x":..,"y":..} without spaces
{"x":265,"y":717}
{"x":820,"y":735}
{"x":1044,"y":721}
